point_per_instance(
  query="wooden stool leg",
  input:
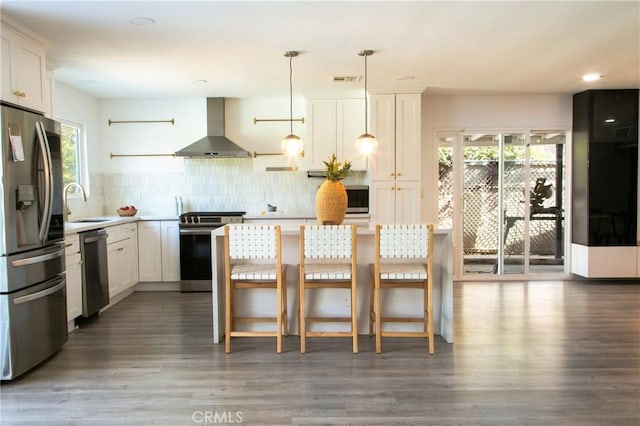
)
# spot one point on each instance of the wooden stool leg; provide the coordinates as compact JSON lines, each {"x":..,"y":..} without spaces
{"x":227,"y":319}
{"x":354,"y":314}
{"x":279,"y":316}
{"x":303,"y":321}
{"x":232,"y":298}
{"x":425,"y":313}
{"x":378,"y":316}
{"x":430,"y":314}
{"x":284,"y":314}
{"x":372,"y":316}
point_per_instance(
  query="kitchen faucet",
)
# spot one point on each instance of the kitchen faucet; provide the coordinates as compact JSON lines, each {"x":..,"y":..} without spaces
{"x":65,"y":192}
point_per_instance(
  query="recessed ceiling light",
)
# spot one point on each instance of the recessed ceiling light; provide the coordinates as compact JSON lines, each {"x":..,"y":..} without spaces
{"x":406,"y":77}
{"x":591,"y":77}
{"x":610,"y":120}
{"x":199,"y":81}
{"x":141,"y":21}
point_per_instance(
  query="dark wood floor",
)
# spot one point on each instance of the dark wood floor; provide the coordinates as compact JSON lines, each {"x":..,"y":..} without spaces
{"x":539,"y":353}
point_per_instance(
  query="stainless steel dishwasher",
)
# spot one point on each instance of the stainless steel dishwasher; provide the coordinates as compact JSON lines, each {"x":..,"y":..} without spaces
{"x":95,"y":275}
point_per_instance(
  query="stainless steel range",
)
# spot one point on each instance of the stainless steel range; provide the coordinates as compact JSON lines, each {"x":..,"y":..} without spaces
{"x":195,"y":246}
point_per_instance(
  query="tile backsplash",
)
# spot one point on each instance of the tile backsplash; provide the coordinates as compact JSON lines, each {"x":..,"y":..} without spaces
{"x":205,"y":185}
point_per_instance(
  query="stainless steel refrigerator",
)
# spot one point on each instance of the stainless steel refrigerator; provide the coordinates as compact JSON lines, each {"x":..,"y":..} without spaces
{"x":33,"y":313}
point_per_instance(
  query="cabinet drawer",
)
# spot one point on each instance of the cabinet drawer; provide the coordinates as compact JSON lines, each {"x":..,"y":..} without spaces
{"x":118,"y":233}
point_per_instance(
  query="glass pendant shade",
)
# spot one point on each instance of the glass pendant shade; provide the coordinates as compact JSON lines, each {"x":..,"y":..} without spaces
{"x":366,"y":144}
{"x":292,"y":145}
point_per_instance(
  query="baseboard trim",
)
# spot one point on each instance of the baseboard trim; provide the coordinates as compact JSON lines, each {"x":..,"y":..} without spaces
{"x":158,"y":286}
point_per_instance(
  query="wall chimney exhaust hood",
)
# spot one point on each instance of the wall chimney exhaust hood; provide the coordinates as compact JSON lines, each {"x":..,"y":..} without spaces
{"x":215,"y":144}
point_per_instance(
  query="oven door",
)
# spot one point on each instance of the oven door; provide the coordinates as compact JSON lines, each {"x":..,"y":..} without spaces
{"x":195,"y":259}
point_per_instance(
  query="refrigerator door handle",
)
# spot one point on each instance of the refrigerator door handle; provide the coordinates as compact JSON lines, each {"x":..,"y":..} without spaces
{"x":39,"y":295}
{"x":48,"y":179}
{"x":37,"y":259}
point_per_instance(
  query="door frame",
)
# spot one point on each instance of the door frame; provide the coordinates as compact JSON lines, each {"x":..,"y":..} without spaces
{"x":458,"y":205}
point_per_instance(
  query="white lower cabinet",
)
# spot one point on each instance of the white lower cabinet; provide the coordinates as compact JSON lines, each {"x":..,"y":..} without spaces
{"x":74,"y":276}
{"x":122,"y":255}
{"x":170,"y":244}
{"x":604,"y":262}
{"x":395,"y":201}
{"x":159,"y":250}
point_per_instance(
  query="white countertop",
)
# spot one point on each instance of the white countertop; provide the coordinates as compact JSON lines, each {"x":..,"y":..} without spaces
{"x":77,"y":225}
{"x":299,"y":216}
{"x":73,"y":227}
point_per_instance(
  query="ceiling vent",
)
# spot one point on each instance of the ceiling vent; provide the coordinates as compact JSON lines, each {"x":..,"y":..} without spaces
{"x":346,"y":78}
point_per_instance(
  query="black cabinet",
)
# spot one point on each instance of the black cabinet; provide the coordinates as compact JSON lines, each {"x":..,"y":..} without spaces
{"x":605,"y":167}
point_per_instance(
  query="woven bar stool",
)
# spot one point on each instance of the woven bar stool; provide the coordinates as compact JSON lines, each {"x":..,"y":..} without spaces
{"x":328,"y":260}
{"x":253,"y":260}
{"x":403,"y":259}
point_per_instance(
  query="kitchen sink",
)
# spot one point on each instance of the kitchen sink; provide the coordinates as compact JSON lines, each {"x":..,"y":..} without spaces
{"x":89,"y":220}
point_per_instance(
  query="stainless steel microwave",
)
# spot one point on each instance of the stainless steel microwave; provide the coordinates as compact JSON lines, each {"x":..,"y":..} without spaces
{"x":358,"y":198}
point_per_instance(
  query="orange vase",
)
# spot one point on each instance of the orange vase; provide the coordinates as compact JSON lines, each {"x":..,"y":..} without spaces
{"x":331,"y":203}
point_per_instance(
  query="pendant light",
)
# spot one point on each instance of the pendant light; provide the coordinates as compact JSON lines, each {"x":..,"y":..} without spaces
{"x":291,"y":144}
{"x":366,"y":143}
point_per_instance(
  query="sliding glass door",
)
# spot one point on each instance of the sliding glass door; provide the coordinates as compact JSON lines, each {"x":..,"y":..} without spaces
{"x":509,"y":188}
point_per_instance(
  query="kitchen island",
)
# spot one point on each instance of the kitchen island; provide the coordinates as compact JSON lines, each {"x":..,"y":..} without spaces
{"x":334,"y":303}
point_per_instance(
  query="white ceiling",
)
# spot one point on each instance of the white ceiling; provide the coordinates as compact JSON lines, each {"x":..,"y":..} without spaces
{"x":238,"y":47}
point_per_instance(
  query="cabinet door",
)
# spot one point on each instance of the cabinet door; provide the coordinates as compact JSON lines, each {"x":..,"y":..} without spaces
{"x":407,"y":206}
{"x":130,"y":255}
{"x":408,"y":137}
{"x":350,"y":125}
{"x":7,"y":67}
{"x":31,"y":74}
{"x":74,"y":286}
{"x":116,"y":267}
{"x":170,"y":251}
{"x":321,"y":131}
{"x":23,"y":71}
{"x":383,"y":127}
{"x":149,"y":251}
{"x":383,"y":201}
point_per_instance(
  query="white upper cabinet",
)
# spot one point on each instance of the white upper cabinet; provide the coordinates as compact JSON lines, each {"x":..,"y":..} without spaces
{"x":395,"y":168}
{"x":333,"y":126}
{"x":23,"y":71}
{"x":395,"y":122}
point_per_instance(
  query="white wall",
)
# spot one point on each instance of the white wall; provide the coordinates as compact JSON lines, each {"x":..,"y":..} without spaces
{"x":78,"y":107}
{"x":151,"y":183}
{"x":479,"y":112}
{"x":148,"y":138}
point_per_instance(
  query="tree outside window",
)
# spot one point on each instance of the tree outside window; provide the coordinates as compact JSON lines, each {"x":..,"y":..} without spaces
{"x":70,"y":153}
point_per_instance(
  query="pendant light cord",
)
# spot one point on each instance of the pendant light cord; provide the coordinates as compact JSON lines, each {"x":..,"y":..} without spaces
{"x":366,"y":105}
{"x":290,"y":94}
